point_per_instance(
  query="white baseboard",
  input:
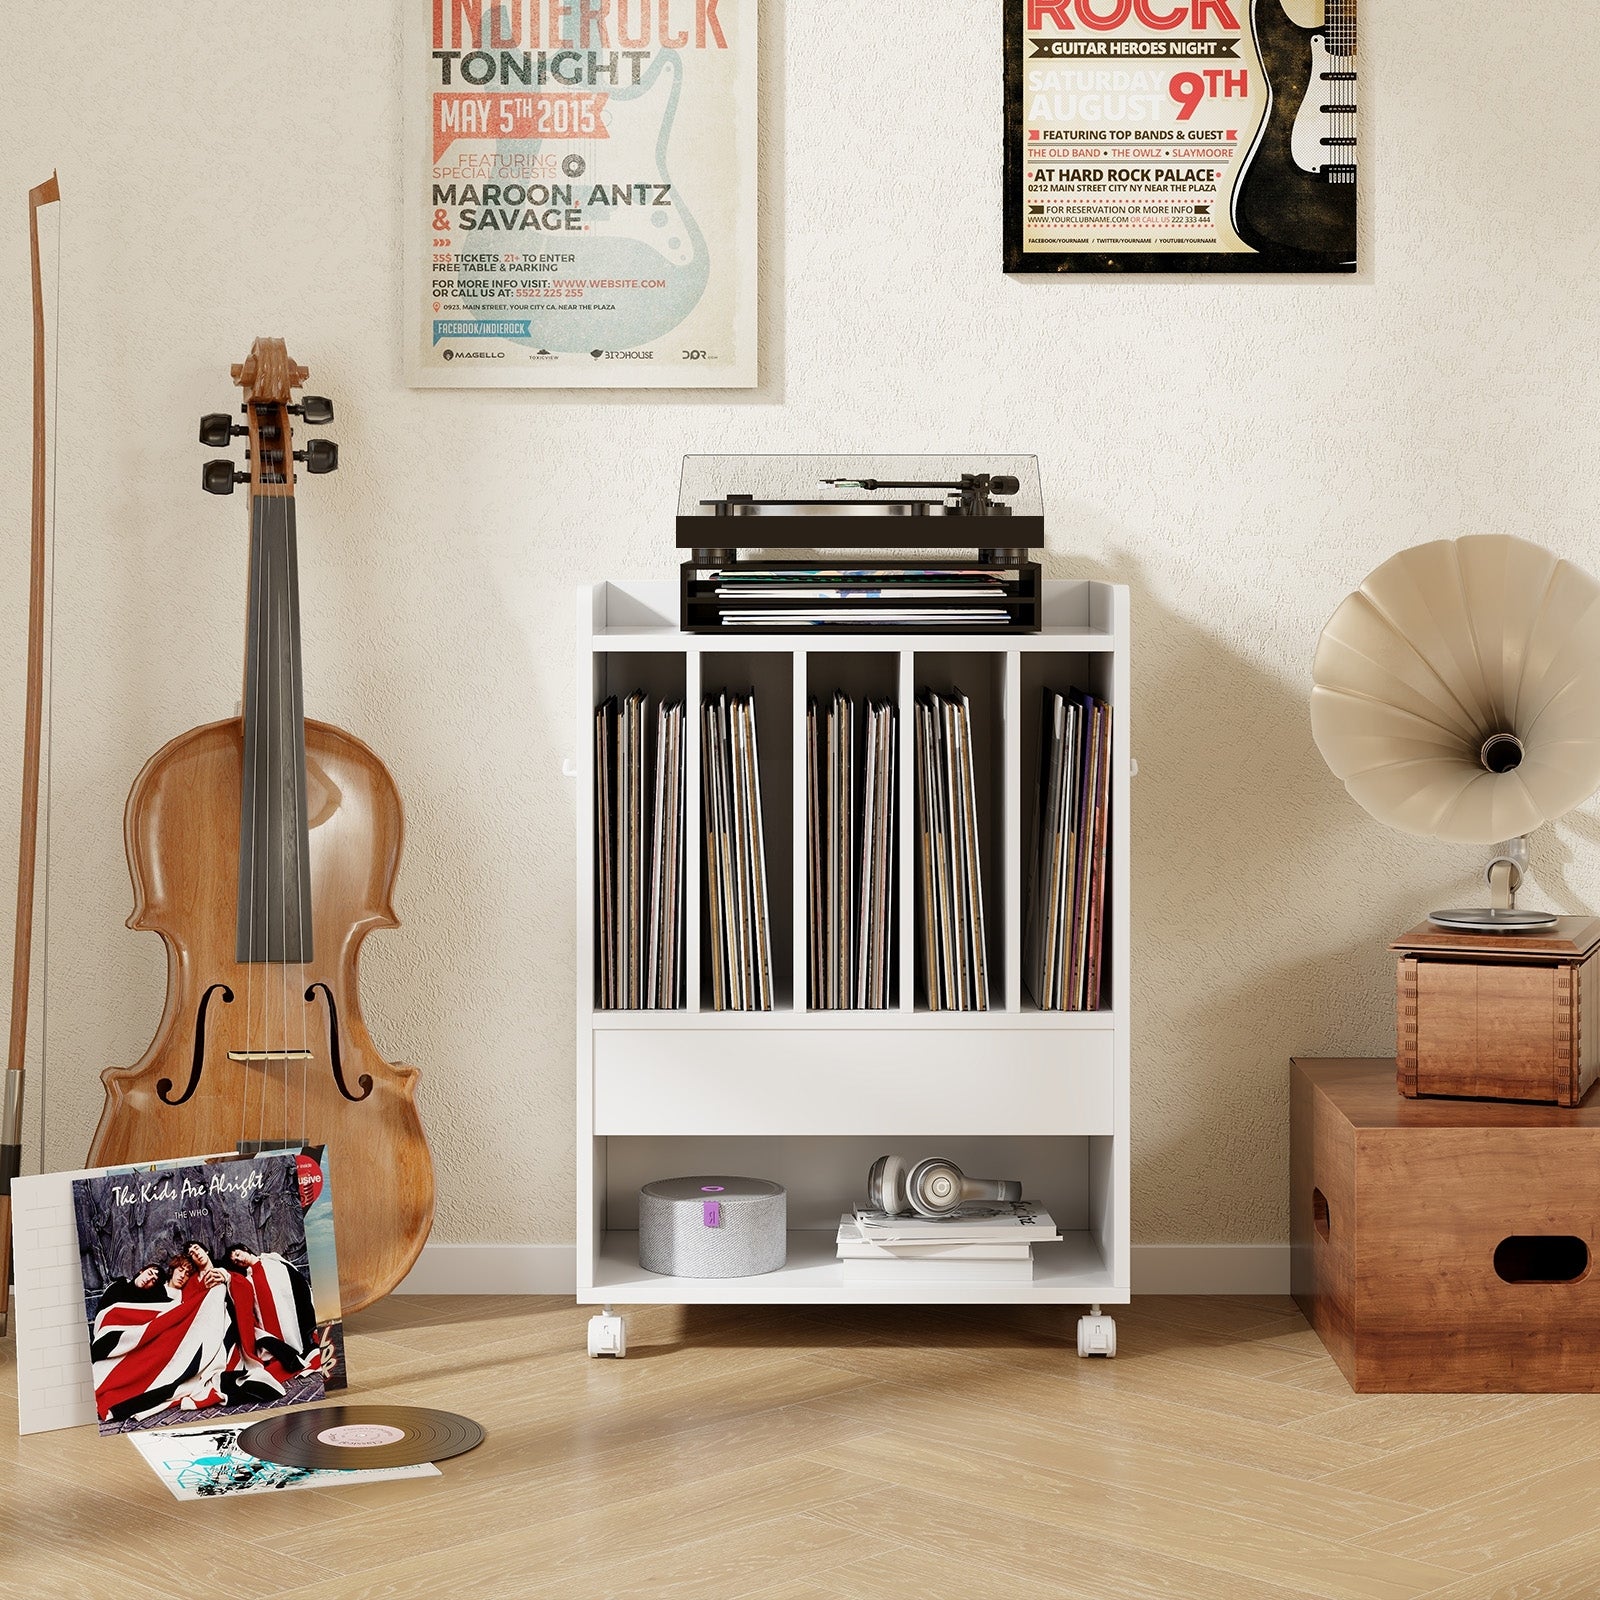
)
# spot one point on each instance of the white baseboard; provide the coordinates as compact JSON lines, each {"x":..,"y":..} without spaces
{"x":494,"y":1269}
{"x":553,"y":1269}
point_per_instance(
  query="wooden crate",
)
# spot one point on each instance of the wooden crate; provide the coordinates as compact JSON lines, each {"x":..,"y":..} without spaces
{"x":1497,"y":1017}
{"x":1443,"y":1245}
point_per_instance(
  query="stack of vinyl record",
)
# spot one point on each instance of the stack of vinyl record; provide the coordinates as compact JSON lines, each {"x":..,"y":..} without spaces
{"x":736,"y":863}
{"x":639,"y":852}
{"x":950,"y":869}
{"x":850,"y":852}
{"x":887,"y":595}
{"x":1064,"y":932}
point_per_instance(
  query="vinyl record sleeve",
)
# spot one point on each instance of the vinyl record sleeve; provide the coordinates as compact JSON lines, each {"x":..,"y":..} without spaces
{"x":208,"y":1464}
{"x":209,"y":1288}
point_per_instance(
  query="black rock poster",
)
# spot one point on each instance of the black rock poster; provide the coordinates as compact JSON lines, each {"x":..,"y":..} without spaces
{"x":1180,"y":136}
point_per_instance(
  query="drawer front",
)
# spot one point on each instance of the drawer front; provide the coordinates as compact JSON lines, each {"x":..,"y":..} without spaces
{"x":841,"y":1081}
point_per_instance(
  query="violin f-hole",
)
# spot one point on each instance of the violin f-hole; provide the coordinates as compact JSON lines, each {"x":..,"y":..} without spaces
{"x":164,"y":1085}
{"x":365,"y":1080}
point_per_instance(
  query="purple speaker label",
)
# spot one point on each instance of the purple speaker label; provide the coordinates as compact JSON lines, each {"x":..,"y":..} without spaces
{"x":712,"y":1213}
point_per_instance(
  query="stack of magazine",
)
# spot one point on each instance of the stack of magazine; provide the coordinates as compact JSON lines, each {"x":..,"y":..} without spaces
{"x":737,"y":911}
{"x":850,"y":851}
{"x":981,"y":1242}
{"x":1064,"y":931}
{"x":639,"y":852}
{"x":954,"y":954}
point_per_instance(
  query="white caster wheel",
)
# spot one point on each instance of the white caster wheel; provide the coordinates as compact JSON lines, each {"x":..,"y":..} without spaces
{"x":608,"y":1334}
{"x":1097,"y":1336}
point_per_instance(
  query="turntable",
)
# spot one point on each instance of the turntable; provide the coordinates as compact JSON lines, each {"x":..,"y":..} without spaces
{"x":823,"y":505}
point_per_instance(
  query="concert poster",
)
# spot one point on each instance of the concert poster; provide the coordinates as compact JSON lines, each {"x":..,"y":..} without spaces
{"x":1180,"y":136}
{"x":580,"y":197}
{"x":206,"y":1287}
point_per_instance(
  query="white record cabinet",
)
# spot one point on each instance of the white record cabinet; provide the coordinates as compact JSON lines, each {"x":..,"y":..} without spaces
{"x":810,"y":1098}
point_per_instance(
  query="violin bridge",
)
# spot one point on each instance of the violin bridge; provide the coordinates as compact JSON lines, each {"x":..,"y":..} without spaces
{"x":269,"y":1055}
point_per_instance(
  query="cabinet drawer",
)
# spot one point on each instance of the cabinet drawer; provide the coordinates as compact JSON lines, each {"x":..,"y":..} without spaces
{"x":911,"y":1084}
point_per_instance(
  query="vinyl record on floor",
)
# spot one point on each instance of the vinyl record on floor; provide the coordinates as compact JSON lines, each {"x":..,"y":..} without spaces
{"x":360,"y":1436}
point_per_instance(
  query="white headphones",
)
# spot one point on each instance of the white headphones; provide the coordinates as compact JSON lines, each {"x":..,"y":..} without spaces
{"x":932,"y":1188}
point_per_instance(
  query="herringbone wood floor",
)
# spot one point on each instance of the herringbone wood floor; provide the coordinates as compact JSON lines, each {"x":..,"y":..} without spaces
{"x":778,"y":1454}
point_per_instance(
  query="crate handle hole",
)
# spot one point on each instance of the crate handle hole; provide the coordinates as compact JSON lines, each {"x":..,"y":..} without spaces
{"x":1319,"y":1211}
{"x":1541,"y":1258}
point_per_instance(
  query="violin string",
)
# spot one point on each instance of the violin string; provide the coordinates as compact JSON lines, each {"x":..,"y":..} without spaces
{"x":244,"y":779}
{"x":252,"y":729}
{"x":302,"y":876}
{"x":274,"y":783}
{"x":296,"y":769}
{"x":261,"y":799}
{"x":285,"y":734}
{"x":264,"y":790}
{"x":49,"y":700}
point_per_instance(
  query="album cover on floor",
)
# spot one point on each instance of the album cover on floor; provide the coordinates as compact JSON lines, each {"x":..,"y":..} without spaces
{"x":205,"y":1463}
{"x":198,"y":1285}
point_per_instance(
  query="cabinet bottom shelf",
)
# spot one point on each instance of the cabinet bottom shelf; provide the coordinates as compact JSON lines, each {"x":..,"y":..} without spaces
{"x":1071,"y":1272}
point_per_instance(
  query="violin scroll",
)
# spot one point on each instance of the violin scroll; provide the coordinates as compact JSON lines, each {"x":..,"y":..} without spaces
{"x":268,"y":373}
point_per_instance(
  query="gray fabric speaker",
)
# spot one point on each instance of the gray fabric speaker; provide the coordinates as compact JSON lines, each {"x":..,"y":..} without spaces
{"x":712,"y":1227}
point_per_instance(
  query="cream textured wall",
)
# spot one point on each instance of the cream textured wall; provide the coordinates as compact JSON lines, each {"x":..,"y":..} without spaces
{"x":1240,"y":452}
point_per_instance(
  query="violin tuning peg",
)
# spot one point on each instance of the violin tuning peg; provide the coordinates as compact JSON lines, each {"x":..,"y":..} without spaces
{"x":216,"y":429}
{"x":319,"y":455}
{"x":219,"y":477}
{"x":316,"y":409}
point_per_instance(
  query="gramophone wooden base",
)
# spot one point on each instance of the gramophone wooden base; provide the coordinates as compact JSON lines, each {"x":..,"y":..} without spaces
{"x":1500,"y":1017}
{"x":1424,"y":1235}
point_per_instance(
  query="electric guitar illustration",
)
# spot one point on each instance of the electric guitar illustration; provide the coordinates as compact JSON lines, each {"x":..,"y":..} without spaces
{"x":645,"y":236}
{"x":1296,"y":195}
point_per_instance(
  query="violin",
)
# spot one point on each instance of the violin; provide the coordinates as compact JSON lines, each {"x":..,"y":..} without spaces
{"x":263,"y":851}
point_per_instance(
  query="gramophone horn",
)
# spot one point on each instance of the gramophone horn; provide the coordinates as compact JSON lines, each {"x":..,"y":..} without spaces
{"x":1457,"y":691}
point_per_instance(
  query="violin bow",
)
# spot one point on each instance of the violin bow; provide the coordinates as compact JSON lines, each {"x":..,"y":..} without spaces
{"x":44,"y":194}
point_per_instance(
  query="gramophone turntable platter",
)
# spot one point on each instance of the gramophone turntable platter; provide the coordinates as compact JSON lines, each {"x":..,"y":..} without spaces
{"x":1490,"y":919}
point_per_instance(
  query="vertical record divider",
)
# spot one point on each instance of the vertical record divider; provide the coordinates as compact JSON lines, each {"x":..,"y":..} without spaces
{"x":800,"y":833}
{"x":691,"y":844}
{"x":1009,"y":823}
{"x":906,"y":844}
{"x":590,"y":688}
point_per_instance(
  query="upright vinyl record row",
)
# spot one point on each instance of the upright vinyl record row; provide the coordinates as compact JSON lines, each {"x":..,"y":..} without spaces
{"x":739,"y":917}
{"x":1063,"y":934}
{"x":955,"y":946}
{"x":639,"y":852}
{"x":850,"y":787}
